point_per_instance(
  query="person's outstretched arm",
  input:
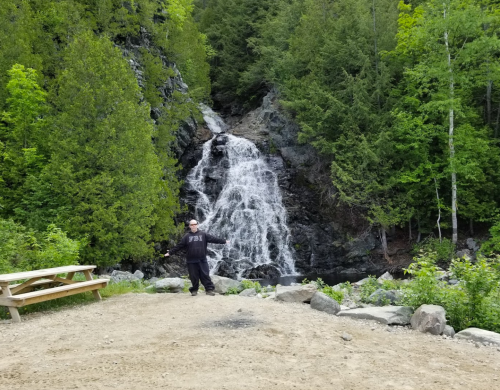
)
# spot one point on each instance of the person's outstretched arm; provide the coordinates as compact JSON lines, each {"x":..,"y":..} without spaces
{"x":181,"y":245}
{"x":215,"y":240}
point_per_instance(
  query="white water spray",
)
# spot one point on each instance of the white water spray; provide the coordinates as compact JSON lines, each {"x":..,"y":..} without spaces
{"x":248,"y":211}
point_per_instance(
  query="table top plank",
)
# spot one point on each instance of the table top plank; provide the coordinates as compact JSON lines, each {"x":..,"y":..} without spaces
{"x":6,"y":278}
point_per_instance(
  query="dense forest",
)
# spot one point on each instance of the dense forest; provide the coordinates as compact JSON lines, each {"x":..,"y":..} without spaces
{"x":402,"y":99}
{"x":85,"y":172}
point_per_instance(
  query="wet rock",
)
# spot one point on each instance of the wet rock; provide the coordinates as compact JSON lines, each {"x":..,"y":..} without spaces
{"x":264,"y":271}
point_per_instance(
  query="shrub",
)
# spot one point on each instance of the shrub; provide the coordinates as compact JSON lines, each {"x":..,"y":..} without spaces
{"x":368,"y":288}
{"x":21,"y":250}
{"x":425,"y":288}
{"x":444,"y":249}
{"x":249,"y":284}
{"x":337,"y":295}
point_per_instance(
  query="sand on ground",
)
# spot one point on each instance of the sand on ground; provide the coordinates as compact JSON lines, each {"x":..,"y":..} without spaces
{"x":175,"y":341}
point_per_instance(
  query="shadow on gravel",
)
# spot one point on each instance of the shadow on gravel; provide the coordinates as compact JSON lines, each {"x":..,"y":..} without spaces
{"x":234,"y":323}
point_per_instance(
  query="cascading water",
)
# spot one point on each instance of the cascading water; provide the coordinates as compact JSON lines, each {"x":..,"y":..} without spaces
{"x":247,"y":210}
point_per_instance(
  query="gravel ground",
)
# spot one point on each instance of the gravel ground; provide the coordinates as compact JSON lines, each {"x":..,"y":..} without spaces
{"x":175,"y":341}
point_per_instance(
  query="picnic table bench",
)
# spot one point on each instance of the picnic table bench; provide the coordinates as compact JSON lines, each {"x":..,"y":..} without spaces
{"x":45,"y":284}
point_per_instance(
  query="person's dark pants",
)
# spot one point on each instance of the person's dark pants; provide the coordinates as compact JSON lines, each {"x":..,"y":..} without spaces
{"x":200,"y":271}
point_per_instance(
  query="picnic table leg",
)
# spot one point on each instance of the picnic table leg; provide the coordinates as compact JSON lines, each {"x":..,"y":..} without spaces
{"x":88,"y":276}
{"x":14,"y":313}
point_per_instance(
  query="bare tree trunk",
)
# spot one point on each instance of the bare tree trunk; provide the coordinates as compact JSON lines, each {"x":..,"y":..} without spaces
{"x":419,"y":235}
{"x":439,"y":209}
{"x":409,"y":230}
{"x":384,"y":244}
{"x":452,"y":146}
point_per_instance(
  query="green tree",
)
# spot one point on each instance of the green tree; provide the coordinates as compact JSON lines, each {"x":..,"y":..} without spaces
{"x":104,"y":179}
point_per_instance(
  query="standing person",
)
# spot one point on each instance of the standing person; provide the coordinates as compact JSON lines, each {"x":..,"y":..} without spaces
{"x":195,"y":243}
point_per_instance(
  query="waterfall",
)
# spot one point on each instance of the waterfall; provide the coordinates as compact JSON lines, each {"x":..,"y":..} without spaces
{"x":246,"y":206}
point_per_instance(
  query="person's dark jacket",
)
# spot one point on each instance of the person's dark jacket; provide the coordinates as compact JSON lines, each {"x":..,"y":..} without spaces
{"x":195,"y":245}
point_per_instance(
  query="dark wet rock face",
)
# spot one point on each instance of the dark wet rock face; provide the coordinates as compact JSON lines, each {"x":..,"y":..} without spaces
{"x":319,"y":236}
{"x":265,"y":271}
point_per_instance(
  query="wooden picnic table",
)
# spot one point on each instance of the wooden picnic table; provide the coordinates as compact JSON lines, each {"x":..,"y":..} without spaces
{"x":45,"y":284}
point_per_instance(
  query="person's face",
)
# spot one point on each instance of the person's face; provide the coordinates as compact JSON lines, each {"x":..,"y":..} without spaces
{"x":193,"y":225}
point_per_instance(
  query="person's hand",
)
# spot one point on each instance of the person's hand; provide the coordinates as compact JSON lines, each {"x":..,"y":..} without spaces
{"x":227,"y":241}
{"x":167,"y":254}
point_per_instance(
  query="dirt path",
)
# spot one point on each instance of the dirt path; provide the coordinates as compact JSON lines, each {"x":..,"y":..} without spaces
{"x":175,"y":341}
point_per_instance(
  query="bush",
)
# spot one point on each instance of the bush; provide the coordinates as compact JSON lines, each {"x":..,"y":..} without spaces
{"x":425,"y":288}
{"x":21,"y":250}
{"x":493,"y":244}
{"x":337,"y":295}
{"x":368,"y":288}
{"x":444,"y":250}
{"x":249,"y":284}
{"x":472,"y":302}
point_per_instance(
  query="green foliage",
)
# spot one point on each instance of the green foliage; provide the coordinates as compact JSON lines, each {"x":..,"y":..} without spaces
{"x":493,"y":244}
{"x":472,"y":302}
{"x":444,"y":250}
{"x":338,"y":295}
{"x":425,"y":288}
{"x":245,"y":284}
{"x":233,"y":291}
{"x":85,"y":160}
{"x":368,"y":288}
{"x":24,"y":250}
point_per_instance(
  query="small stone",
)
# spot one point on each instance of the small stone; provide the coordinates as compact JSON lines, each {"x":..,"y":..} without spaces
{"x":478,"y":345}
{"x":346,"y":336}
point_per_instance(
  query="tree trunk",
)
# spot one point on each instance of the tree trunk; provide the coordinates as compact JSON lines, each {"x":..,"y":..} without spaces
{"x":384,"y":244}
{"x":409,"y":230}
{"x":488,"y":101}
{"x":452,"y":145}
{"x":419,"y":235}
{"x":471,"y":225}
{"x":439,"y":209}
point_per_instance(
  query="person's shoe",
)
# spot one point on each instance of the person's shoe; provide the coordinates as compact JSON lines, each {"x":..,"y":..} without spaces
{"x":194,"y":293}
{"x":210,"y":292}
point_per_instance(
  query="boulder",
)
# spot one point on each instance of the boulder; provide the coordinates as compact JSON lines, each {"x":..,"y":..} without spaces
{"x":479,"y":335}
{"x":227,"y":270}
{"x":171,"y":285}
{"x":222,"y":284}
{"x":299,"y":294}
{"x":429,"y":319}
{"x":322,"y":302}
{"x":138,"y":274}
{"x":386,"y":276}
{"x":263,"y":271}
{"x":120,"y":276}
{"x":388,"y":315}
{"x":249,"y":292}
{"x":449,"y":331}
{"x":383,"y":297}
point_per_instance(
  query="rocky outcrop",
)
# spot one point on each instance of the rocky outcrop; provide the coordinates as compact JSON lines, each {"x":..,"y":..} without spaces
{"x":388,"y":315}
{"x":319,"y":236}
